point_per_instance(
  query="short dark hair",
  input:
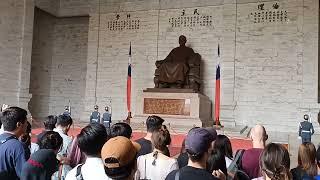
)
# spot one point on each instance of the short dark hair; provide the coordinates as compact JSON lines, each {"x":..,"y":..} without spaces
{"x":194,"y":157}
{"x":50,"y":140}
{"x":121,"y":129}
{"x":50,"y":122}
{"x":121,"y":172}
{"x":64,"y":120}
{"x":92,"y":138}
{"x":223,"y":144}
{"x":154,"y":123}
{"x":11,"y":116}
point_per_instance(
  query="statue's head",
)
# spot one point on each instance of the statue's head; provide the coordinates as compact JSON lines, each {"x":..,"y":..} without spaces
{"x":182,"y":40}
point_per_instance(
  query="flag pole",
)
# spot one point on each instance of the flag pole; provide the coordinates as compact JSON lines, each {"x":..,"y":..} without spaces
{"x":217,"y":93}
{"x":129,"y":88}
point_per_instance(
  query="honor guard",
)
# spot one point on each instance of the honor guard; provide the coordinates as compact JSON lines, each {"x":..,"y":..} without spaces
{"x":106,"y":118}
{"x":95,"y":115}
{"x":306,"y":129}
{"x":66,"y":111}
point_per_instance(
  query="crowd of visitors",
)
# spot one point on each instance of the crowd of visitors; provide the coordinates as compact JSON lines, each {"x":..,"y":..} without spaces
{"x":102,"y":153}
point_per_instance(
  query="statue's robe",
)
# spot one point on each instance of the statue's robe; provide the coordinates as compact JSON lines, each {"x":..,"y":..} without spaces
{"x":175,"y":66}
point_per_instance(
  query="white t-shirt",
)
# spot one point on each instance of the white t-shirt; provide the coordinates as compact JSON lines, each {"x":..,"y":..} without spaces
{"x":159,"y":171}
{"x":34,"y":147}
{"x":228,"y":161}
{"x":66,"y":142}
{"x":92,"y":169}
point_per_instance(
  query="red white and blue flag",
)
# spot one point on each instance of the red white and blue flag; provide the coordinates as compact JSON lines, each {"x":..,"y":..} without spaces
{"x":217,"y":94}
{"x":129,"y":82}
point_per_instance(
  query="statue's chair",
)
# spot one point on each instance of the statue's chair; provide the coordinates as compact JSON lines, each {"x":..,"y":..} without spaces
{"x":192,"y":79}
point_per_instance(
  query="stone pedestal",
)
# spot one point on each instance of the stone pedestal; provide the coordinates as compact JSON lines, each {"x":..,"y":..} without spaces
{"x":179,"y":110}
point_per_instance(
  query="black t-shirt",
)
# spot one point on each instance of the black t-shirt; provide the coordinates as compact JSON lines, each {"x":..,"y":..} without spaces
{"x":191,"y":173}
{"x":146,"y":146}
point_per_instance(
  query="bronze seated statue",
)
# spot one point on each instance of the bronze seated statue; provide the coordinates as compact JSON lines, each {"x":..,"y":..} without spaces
{"x":180,"y":69}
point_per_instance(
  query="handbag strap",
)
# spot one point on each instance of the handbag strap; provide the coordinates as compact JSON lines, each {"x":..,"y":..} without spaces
{"x":177,"y":175}
{"x":79,"y":174}
{"x":7,"y":139}
{"x":60,"y":172}
{"x":145,"y":167}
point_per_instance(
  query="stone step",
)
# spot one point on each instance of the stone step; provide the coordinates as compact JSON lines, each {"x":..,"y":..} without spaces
{"x":236,"y":131}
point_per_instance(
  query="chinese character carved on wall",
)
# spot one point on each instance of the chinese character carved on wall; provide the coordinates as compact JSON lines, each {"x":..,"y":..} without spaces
{"x":194,"y":20}
{"x":273,"y":15}
{"x":124,"y":24}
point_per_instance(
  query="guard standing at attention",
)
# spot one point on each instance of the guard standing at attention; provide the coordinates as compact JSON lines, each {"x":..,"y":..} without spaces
{"x":106,"y":118}
{"x":306,"y":129}
{"x":95,"y":115}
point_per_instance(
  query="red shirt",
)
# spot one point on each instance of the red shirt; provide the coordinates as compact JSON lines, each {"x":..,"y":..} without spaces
{"x":250,"y":162}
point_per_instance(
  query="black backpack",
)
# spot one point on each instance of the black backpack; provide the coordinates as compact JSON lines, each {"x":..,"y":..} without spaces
{"x":235,"y":168}
{"x":238,"y":158}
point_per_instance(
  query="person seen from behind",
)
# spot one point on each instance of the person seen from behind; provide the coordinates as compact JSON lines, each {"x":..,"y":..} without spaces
{"x":119,"y":156}
{"x":62,"y":127}
{"x":51,"y":140}
{"x":217,"y":161}
{"x":198,"y":144}
{"x":223,"y":145}
{"x":49,"y":124}
{"x":306,"y":129}
{"x":183,"y":156}
{"x":90,"y":140}
{"x":250,"y":157}
{"x":307,"y":167}
{"x":275,"y":163}
{"x":156,"y":165}
{"x":40,"y":166}
{"x":121,"y":129}
{"x":154,"y":123}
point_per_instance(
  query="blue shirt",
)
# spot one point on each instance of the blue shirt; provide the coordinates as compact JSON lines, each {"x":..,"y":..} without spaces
{"x":12,"y":154}
{"x":95,"y":117}
{"x":106,"y":117}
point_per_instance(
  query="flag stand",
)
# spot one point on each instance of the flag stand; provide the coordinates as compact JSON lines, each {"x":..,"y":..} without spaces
{"x":218,"y":125}
{"x":128,"y":119}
